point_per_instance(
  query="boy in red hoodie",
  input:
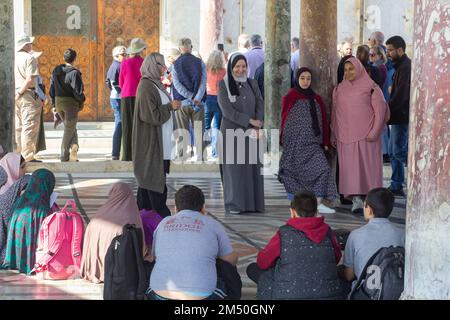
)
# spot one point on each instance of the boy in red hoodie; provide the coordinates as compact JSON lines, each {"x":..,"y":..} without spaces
{"x":300,"y":261}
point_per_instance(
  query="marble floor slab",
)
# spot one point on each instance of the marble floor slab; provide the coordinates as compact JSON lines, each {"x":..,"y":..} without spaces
{"x":249,"y":233}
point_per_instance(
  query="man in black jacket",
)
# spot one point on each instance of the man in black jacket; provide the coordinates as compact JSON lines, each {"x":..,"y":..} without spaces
{"x":399,"y":107}
{"x":67,"y":94}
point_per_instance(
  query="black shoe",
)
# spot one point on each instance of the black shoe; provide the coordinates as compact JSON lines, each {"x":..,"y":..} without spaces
{"x":398,"y":193}
{"x":36,"y":161}
{"x":345,"y":201}
{"x":386,"y":158}
{"x":358,"y":211}
{"x":234,"y":212}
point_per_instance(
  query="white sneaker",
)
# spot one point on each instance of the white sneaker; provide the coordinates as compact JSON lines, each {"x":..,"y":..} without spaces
{"x":324,"y":209}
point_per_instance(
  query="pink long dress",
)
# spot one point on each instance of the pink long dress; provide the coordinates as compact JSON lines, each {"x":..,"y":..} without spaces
{"x":358,"y":117}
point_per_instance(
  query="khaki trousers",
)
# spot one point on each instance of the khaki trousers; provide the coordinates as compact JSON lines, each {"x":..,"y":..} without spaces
{"x":27,"y":121}
{"x":70,"y":137}
{"x":183,"y":116}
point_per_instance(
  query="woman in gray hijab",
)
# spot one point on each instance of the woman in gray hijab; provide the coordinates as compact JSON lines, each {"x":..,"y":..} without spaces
{"x":242,"y":107}
{"x":152,"y":133}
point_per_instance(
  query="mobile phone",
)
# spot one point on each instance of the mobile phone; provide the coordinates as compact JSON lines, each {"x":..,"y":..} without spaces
{"x":220,"y":47}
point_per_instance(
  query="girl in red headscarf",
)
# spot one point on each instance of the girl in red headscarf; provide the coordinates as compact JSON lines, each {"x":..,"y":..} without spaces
{"x":305,"y":136}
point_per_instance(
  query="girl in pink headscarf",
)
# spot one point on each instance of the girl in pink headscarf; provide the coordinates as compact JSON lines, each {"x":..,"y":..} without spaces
{"x":13,"y":164}
{"x":357,"y":121}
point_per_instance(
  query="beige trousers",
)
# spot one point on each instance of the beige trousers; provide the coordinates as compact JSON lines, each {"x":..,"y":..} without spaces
{"x":185,"y":115}
{"x":27,"y":121}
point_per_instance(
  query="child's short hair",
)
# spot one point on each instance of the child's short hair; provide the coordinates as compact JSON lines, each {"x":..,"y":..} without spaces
{"x":381,"y":200}
{"x":305,"y":204}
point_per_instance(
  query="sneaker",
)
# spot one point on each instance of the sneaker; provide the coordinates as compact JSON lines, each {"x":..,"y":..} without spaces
{"x":234,"y":212}
{"x":115,"y":158}
{"x":357,"y":207}
{"x":36,"y":160}
{"x":398,"y":193}
{"x":74,"y":153}
{"x":324,"y":209}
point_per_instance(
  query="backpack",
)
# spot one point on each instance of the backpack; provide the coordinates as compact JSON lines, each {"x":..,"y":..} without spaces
{"x":126,"y":275}
{"x":150,"y":220}
{"x":58,"y":255}
{"x":391,"y":273}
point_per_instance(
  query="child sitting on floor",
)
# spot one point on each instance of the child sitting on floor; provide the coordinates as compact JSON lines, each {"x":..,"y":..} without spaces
{"x":300,"y":261}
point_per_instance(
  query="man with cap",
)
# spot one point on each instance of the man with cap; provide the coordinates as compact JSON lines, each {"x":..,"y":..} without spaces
{"x":67,"y":94}
{"x":28,"y":109}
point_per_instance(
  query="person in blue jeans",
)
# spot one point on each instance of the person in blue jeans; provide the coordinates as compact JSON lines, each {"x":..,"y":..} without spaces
{"x":399,"y":107}
{"x":215,"y":67}
{"x":386,"y":92}
{"x":112,"y":80}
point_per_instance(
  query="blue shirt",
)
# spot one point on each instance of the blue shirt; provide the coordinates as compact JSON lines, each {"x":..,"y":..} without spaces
{"x":295,"y":60}
{"x":364,"y":242}
{"x":185,"y":248}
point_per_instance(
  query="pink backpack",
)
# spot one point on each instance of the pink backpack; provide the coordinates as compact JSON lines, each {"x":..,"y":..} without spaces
{"x":150,"y":220}
{"x":58,"y":255}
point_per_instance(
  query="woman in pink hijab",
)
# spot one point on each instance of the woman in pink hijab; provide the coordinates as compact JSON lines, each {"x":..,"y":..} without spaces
{"x":13,"y":163}
{"x":358,"y":117}
{"x":119,"y":210}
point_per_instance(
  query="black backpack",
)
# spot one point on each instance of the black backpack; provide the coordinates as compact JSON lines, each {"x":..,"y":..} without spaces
{"x":391,"y":275}
{"x":126,"y":275}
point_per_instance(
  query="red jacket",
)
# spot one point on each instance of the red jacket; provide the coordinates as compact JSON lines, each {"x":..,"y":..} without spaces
{"x":314,"y":228}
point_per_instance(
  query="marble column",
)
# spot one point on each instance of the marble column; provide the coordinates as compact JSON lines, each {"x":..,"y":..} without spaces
{"x":211,"y":24}
{"x":6,"y":75}
{"x":277,"y":72}
{"x":427,"y":274}
{"x":318,"y":42}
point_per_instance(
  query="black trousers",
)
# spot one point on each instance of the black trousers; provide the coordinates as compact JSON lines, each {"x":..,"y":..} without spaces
{"x":151,"y":200}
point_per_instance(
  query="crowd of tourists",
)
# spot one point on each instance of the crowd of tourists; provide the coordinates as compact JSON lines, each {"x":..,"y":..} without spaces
{"x":303,"y":260}
{"x":155,"y":99}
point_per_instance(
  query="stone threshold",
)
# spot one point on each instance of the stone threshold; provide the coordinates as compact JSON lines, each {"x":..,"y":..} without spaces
{"x":110,"y":166}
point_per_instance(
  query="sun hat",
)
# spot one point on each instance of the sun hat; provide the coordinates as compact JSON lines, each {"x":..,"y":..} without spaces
{"x":22,"y":41}
{"x":137,"y":45}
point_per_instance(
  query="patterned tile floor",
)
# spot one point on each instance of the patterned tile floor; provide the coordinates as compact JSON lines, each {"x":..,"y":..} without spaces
{"x":249,"y":233}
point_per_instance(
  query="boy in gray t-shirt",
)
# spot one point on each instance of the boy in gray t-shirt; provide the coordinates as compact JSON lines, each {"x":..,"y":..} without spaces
{"x":378,"y":233}
{"x":185,"y":249}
